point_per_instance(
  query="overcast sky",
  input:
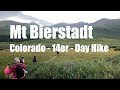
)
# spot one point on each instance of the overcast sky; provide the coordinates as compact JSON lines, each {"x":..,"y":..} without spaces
{"x":73,"y":16}
{"x":58,"y":16}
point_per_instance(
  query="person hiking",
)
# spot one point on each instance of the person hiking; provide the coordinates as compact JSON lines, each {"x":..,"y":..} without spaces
{"x":7,"y":71}
{"x":18,"y":69}
{"x":22,"y":60}
{"x":34,"y":59}
{"x":58,"y":52}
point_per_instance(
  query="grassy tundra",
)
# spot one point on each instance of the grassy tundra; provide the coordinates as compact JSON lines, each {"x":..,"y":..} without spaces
{"x":70,"y":65}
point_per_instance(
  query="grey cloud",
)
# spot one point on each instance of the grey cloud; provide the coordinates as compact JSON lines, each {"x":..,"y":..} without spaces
{"x":27,"y":17}
{"x":7,"y":14}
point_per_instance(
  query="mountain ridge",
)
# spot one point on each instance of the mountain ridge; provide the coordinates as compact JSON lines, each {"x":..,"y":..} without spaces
{"x":103,"y":28}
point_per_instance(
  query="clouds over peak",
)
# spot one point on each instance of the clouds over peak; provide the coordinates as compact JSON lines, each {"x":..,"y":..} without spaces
{"x":7,"y":14}
{"x":18,"y":15}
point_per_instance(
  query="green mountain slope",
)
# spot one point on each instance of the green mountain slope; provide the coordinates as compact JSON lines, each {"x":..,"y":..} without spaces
{"x":107,"y":28}
{"x":103,"y":28}
{"x":5,"y":28}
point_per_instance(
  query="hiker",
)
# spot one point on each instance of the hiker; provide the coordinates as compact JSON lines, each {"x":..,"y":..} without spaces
{"x":18,"y":69}
{"x":7,"y":71}
{"x":22,"y":60}
{"x":58,"y":52}
{"x":34,"y":59}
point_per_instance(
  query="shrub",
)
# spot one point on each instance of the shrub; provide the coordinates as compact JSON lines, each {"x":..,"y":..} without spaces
{"x":117,"y":48}
{"x":85,"y":69}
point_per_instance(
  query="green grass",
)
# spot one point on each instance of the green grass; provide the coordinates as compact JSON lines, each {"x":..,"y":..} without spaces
{"x":48,"y":43}
{"x":95,"y":69}
{"x":117,"y":48}
{"x":70,"y":65}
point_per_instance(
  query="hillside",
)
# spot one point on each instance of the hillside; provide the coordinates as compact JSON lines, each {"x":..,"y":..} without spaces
{"x":103,"y":28}
{"x":107,"y":28}
{"x":5,"y":29}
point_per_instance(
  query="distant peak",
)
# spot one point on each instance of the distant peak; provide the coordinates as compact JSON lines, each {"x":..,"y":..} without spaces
{"x":62,"y":23}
